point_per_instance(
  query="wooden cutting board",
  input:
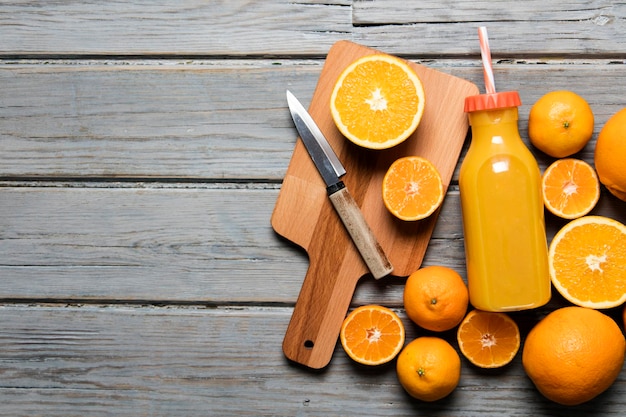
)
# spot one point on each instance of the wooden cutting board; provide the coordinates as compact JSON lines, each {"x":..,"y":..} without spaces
{"x":304,"y":215}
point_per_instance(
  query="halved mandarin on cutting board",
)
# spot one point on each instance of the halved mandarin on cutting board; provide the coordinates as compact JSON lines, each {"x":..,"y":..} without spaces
{"x":570,"y":188}
{"x":488,"y":339}
{"x":372,"y":335}
{"x":412,"y":188}
{"x":378,"y":101}
{"x":587,"y":262}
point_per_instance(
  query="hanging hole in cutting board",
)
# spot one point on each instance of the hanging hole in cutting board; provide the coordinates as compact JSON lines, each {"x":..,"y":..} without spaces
{"x":308,"y":344}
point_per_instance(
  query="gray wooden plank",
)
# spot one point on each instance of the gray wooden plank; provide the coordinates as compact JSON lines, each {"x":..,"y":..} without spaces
{"x":180,"y":243}
{"x":534,"y":28}
{"x":177,"y":119}
{"x":118,"y":361}
{"x":379,"y":12}
{"x":598,"y":38}
{"x":173,"y":244}
{"x":169,"y":244}
{"x":243,"y":27}
{"x":160,"y":27}
{"x":126,"y":120}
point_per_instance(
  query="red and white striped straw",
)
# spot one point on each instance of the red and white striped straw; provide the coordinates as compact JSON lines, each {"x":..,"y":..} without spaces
{"x":485,"y":53}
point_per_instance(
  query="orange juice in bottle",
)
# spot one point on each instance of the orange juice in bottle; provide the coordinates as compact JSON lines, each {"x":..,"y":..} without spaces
{"x":500,"y":184}
{"x":503,"y":216}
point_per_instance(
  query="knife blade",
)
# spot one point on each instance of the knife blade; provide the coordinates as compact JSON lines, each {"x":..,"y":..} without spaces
{"x":331,"y":170}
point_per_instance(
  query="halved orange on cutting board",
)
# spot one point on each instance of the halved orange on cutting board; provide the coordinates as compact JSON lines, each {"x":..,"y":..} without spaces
{"x":377,"y":101}
{"x":412,"y":188}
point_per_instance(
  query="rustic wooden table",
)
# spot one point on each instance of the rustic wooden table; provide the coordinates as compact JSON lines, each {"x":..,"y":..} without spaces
{"x":142,"y":149}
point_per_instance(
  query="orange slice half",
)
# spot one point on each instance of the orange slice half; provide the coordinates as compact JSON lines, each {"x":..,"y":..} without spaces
{"x":487,"y":339}
{"x":570,"y":188}
{"x":377,"y":101}
{"x":372,"y":335}
{"x":412,"y":188}
{"x":587,"y":262}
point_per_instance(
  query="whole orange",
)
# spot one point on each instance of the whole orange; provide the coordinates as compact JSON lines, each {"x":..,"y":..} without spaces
{"x":436,"y":298}
{"x":610,"y":154}
{"x":574,"y":354}
{"x":560,"y":123}
{"x":429,"y":368}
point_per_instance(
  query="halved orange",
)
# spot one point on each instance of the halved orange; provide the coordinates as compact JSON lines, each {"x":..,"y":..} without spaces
{"x":372,"y":335}
{"x":570,"y":188}
{"x":377,"y":101}
{"x":488,"y":339}
{"x":412,"y":188}
{"x":587,"y":262}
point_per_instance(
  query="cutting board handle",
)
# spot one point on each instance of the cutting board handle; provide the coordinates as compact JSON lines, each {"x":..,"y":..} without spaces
{"x":321,"y":307}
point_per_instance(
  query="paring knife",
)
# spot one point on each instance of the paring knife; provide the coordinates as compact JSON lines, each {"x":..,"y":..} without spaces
{"x":331,"y":170}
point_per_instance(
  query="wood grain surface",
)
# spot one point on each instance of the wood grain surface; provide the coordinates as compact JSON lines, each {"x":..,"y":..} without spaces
{"x":143,"y":146}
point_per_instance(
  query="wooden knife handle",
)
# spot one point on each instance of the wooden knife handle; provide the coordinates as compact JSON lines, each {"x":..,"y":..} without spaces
{"x":359,"y":231}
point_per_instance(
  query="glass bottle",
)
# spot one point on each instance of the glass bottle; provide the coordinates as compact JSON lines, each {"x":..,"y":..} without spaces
{"x":503,"y":216}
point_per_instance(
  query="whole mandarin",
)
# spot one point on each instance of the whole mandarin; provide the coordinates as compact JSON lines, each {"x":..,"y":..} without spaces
{"x":436,"y":298}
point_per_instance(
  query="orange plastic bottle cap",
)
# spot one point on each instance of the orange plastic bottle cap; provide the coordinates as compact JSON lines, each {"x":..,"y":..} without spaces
{"x":492,"y":101}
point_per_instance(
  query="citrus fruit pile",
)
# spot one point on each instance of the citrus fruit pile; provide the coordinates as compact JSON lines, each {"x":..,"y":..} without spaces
{"x":587,"y":256}
{"x":561,"y":124}
{"x":429,"y":367}
{"x":577,"y":352}
{"x":571,"y":355}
